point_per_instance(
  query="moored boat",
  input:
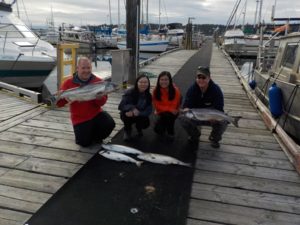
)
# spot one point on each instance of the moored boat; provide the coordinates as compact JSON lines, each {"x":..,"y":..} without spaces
{"x":148,"y":45}
{"x":234,"y":41}
{"x":25,"y":60}
{"x":285,"y":73}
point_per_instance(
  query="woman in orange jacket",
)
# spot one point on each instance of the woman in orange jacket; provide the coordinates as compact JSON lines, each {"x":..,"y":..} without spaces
{"x":166,"y":101}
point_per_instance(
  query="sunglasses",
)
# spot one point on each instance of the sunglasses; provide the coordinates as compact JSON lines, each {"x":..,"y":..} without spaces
{"x":201,"y":77}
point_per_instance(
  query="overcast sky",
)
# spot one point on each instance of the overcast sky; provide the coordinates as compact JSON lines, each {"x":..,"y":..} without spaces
{"x":83,"y":12}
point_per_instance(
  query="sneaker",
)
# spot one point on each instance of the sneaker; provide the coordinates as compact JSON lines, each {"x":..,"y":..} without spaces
{"x":126,"y":136}
{"x":215,"y":144}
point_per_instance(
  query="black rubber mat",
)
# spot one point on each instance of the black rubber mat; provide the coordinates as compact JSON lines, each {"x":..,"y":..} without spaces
{"x":106,"y":192}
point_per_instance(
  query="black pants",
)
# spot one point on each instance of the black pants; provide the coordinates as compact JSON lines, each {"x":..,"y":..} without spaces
{"x":141,"y":122}
{"x":165,"y":122}
{"x":193,"y":127}
{"x":94,"y":130}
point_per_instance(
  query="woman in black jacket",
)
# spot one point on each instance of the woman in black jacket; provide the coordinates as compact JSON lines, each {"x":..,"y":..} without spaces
{"x":136,"y":106}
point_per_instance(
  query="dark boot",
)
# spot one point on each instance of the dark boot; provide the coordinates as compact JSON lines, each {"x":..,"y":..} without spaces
{"x":127,"y":135}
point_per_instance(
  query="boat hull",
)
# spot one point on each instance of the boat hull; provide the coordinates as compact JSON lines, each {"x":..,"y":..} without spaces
{"x":25,"y":72}
{"x":290,"y":120}
{"x":148,"y":46}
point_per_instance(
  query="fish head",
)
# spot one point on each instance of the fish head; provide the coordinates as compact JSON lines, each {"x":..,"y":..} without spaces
{"x":189,"y":114}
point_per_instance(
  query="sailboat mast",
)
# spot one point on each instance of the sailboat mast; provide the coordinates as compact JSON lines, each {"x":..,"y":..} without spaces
{"x":260,"y":37}
{"x":119,"y":24}
{"x":159,"y":14}
{"x":110,"y":20}
{"x":147,"y":18}
{"x":254,"y":23}
{"x":245,"y":9}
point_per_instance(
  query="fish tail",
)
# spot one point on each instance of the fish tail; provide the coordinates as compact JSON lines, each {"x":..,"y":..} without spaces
{"x":139,"y":163}
{"x":236,"y":121}
{"x":187,"y":164}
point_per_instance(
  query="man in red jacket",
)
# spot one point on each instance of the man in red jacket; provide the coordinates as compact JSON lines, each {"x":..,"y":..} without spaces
{"x":91,"y":124}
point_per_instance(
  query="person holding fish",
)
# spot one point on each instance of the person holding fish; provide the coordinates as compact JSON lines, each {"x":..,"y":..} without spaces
{"x":136,"y":107}
{"x":204,"y":93}
{"x":91,"y":124}
{"x":166,"y":101}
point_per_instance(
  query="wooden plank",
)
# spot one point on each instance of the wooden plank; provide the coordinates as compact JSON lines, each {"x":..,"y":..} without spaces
{"x":23,"y":194}
{"x":32,"y":181}
{"x":266,"y":153}
{"x":57,"y":113}
{"x":245,"y":136}
{"x":10,"y":222}
{"x":45,"y":141}
{"x":232,"y":214}
{"x":245,"y":159}
{"x":19,"y":205}
{"x":267,"y":185}
{"x":50,"y":167}
{"x":10,"y":217}
{"x":246,"y":143}
{"x":199,"y":222}
{"x":9,"y":160}
{"x":21,"y":118}
{"x":44,"y":152}
{"x":247,"y":170}
{"x":232,"y":196}
{"x":49,"y":125}
{"x":39,"y":131}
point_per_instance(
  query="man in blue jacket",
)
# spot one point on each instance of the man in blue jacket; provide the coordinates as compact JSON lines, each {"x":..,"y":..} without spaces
{"x":204,"y":93}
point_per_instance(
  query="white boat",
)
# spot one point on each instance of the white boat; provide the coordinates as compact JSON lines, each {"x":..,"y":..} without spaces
{"x":85,"y":38}
{"x":148,"y":45}
{"x":234,"y":41}
{"x":25,"y":60}
{"x":175,"y":33}
{"x":285,"y":73}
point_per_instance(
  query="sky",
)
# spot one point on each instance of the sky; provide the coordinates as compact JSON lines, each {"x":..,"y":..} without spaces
{"x":95,"y":12}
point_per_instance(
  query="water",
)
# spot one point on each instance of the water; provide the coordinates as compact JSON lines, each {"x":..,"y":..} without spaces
{"x":100,"y":68}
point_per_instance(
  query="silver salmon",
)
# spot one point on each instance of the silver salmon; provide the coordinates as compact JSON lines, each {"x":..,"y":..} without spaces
{"x":121,"y":149}
{"x":119,"y":157}
{"x":162,"y":159}
{"x":84,"y":93}
{"x":205,"y":114}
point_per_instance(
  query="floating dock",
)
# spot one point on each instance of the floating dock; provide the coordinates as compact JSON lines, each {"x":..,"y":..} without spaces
{"x":248,"y":180}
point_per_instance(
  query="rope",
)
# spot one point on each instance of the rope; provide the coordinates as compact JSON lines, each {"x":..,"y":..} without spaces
{"x":264,"y":87}
{"x":291,"y":98}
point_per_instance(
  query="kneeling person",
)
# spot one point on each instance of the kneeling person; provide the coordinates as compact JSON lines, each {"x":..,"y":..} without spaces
{"x":91,"y":124}
{"x":204,"y":93}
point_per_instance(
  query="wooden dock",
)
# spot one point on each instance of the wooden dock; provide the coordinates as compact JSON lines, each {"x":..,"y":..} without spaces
{"x":249,"y":180}
{"x":38,"y":154}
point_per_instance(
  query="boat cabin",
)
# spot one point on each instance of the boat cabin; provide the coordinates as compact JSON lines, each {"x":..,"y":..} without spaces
{"x":287,"y":62}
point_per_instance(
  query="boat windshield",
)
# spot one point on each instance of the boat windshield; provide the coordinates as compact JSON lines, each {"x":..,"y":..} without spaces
{"x":290,"y":55}
{"x":17,"y":31}
{"x":25,"y":31}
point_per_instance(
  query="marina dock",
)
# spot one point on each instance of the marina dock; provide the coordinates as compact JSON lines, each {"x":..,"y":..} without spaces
{"x":248,"y":180}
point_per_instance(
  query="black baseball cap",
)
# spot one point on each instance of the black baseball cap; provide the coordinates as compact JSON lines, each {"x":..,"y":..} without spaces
{"x":203,"y":70}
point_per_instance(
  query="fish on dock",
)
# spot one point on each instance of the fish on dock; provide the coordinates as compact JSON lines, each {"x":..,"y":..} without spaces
{"x":85,"y":93}
{"x":116,"y":156}
{"x":162,"y":159}
{"x":121,"y":149}
{"x":206,"y":114}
